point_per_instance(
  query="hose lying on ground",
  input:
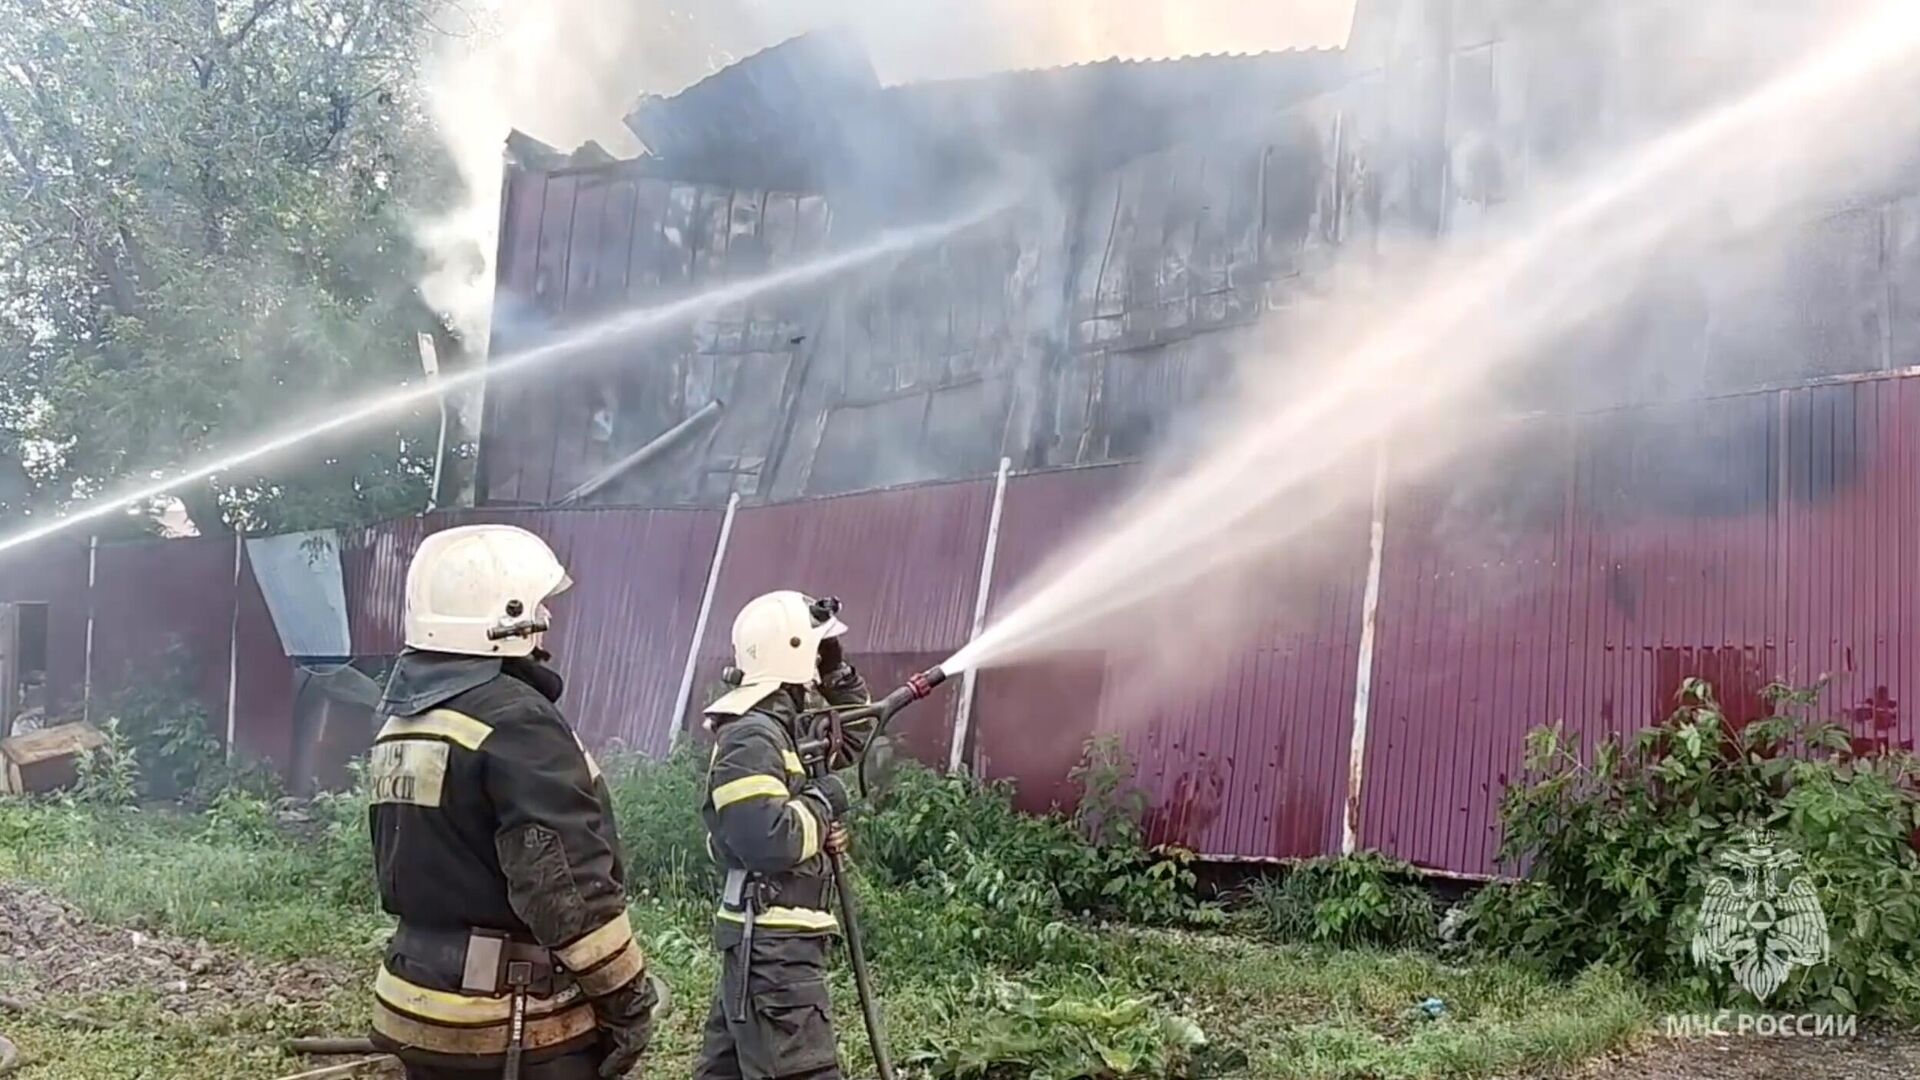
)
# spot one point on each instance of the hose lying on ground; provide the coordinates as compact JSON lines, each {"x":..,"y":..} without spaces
{"x":328,"y":1046}
{"x":348,"y":1069}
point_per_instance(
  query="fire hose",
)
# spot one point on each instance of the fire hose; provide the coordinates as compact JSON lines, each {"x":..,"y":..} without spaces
{"x":817,"y":753}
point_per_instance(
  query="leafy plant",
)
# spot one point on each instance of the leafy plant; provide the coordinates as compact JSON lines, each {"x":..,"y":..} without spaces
{"x":1112,"y":808}
{"x":656,"y":805}
{"x":109,"y":774}
{"x":239,"y":814}
{"x":160,"y":714}
{"x":1618,"y":849}
{"x":1357,"y":900}
{"x":346,"y":847}
{"x":1010,"y":1030}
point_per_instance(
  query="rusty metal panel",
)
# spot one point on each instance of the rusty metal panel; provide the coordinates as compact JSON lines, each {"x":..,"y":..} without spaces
{"x":621,"y":634}
{"x":1745,"y":539}
{"x":1250,"y":765}
{"x":906,"y":562}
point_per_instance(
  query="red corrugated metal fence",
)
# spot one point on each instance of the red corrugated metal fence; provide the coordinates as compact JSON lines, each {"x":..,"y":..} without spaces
{"x":1577,"y":577}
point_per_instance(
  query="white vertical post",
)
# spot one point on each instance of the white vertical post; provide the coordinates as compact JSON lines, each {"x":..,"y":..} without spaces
{"x":86,"y":673}
{"x":1363,"y":673}
{"x":700,"y":622}
{"x":233,"y":643}
{"x":963,"y":713}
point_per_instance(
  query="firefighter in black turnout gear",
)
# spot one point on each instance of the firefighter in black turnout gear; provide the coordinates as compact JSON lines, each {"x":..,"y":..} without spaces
{"x":767,"y":826}
{"x":493,"y":837}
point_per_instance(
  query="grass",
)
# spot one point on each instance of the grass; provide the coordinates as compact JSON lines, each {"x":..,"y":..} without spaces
{"x":1268,"y":1011}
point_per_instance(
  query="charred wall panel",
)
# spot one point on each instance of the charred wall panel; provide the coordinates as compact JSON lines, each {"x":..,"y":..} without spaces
{"x":916,"y":370}
{"x":595,"y":241}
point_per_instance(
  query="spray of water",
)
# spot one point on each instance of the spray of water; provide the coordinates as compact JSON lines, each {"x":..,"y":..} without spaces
{"x":1259,"y":487}
{"x":624,"y":327}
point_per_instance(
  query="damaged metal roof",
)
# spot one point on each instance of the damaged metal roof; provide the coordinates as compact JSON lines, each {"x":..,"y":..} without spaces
{"x":810,"y":113}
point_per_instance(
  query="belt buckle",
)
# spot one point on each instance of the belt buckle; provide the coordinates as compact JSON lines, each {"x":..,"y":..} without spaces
{"x":543,"y":975}
{"x":485,"y":969}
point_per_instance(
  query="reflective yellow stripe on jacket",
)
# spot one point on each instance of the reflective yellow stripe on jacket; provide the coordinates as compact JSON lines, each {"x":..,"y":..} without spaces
{"x":443,"y":1022}
{"x":605,"y":959}
{"x":787,"y":918}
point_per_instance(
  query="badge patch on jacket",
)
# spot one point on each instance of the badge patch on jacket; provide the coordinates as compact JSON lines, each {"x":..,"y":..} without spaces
{"x":408,"y":771}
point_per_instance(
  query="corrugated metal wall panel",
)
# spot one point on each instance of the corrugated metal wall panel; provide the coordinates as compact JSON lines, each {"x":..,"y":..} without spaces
{"x":263,"y":689}
{"x":1742,"y":540}
{"x":1250,"y":764}
{"x":1031,"y":721}
{"x":150,"y":593}
{"x":54,"y":572}
{"x":373,"y":563}
{"x":906,"y":563}
{"x":621,"y":634}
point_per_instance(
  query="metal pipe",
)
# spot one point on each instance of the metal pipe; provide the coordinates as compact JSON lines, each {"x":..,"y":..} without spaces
{"x":963,"y":713}
{"x":664,"y":441}
{"x":86,"y":677}
{"x":1363,"y":666}
{"x":700,"y":622}
{"x":430,"y":363}
{"x":233,"y":646}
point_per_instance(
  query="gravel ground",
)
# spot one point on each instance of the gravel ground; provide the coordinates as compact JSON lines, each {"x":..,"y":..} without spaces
{"x":1871,"y":1056}
{"x":48,"y":947}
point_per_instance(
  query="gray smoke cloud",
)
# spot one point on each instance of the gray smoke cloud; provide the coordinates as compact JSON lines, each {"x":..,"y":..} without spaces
{"x":566,"y":71}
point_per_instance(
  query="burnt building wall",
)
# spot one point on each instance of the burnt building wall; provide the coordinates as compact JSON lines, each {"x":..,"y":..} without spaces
{"x":1081,"y":326}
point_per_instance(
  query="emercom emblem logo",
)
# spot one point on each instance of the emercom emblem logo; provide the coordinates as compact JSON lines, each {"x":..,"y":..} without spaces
{"x":1761,"y":918}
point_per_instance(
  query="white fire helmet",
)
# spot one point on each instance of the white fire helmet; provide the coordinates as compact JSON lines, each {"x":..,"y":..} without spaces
{"x":481,"y":590}
{"x":776,"y":641}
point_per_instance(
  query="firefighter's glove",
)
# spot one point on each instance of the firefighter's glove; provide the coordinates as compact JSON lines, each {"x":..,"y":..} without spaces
{"x":832,"y":657}
{"x":831,"y":792}
{"x":626,"y":1018}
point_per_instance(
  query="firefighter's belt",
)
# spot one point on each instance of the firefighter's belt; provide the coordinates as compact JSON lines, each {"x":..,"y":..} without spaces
{"x":744,"y":889}
{"x":481,"y":957}
{"x":442,"y":1022}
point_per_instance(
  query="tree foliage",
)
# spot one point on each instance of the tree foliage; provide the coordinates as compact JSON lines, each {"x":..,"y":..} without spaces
{"x":204,"y":235}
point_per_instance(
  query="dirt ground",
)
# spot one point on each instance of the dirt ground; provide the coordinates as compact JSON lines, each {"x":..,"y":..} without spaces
{"x":1871,"y":1056}
{"x":47,"y":947}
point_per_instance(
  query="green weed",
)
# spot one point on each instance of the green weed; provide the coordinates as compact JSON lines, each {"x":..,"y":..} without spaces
{"x":1620,"y":850}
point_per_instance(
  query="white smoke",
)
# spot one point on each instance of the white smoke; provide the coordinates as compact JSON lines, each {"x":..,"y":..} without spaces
{"x":567,"y":71}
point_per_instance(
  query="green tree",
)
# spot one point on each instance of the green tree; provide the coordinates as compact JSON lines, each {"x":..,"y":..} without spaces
{"x":205,"y":212}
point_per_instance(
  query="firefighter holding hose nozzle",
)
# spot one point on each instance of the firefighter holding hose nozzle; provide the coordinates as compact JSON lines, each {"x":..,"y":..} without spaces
{"x":770,"y":825}
{"x":493,"y":837}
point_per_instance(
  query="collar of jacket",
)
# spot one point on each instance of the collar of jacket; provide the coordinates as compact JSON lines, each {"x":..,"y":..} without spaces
{"x":778,"y":706}
{"x":535,"y":673}
{"x":425,"y":680}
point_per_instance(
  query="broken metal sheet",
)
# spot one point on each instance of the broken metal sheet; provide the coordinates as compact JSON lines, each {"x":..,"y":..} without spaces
{"x":299,"y":574}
